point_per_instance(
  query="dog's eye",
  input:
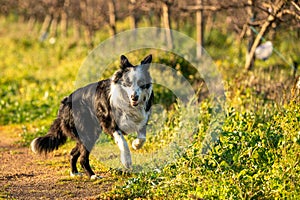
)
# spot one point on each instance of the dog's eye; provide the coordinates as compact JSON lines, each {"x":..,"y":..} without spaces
{"x":145,"y":86}
{"x":140,"y":83}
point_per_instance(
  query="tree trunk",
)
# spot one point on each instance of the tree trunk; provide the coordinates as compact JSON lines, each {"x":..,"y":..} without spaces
{"x":45,"y":27}
{"x":199,"y":29}
{"x":209,"y":22}
{"x":64,"y":24}
{"x":64,"y":19}
{"x":76,"y":26}
{"x":132,"y":16}
{"x":88,"y":35}
{"x":278,"y":5}
{"x":112,"y":17}
{"x":250,"y":35}
{"x":133,"y":22}
{"x":86,"y":17}
{"x":155,"y":20}
{"x":53,"y":26}
{"x":167,"y":24}
{"x":31,"y":22}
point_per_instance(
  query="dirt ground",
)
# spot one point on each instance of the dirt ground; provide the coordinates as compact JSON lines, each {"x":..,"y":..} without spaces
{"x":25,"y":175}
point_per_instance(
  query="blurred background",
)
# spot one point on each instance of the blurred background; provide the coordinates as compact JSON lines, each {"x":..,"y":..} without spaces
{"x":254,"y":44}
{"x":207,"y":21}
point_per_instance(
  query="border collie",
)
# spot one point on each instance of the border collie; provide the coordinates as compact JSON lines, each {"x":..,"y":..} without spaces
{"x":118,"y":106}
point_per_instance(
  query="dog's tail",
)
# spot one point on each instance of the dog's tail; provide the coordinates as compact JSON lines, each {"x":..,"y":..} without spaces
{"x":54,"y":138}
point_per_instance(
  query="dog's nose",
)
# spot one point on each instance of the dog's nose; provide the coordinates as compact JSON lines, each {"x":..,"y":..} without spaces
{"x":134,"y":97}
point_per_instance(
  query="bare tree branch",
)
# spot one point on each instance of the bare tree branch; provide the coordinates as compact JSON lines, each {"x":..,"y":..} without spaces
{"x":292,"y":13}
{"x":278,"y":5}
{"x":295,"y":5}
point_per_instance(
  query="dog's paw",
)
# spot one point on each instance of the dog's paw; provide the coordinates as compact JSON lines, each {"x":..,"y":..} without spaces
{"x":95,"y":177}
{"x":78,"y":174}
{"x":138,"y":143}
{"x":126,"y":160}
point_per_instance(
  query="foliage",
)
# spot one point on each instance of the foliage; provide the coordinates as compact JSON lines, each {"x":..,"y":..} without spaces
{"x":253,"y":158}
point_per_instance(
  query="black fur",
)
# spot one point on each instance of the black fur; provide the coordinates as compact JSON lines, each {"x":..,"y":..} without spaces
{"x":125,"y":63}
{"x":52,"y":140}
{"x":150,"y":102}
{"x":82,"y":116}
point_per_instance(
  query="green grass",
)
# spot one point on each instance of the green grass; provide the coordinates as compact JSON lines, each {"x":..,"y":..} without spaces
{"x":35,"y":76}
{"x":256,"y":156}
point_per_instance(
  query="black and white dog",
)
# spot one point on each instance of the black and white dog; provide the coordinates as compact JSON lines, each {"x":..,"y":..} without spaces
{"x":117,"y":106}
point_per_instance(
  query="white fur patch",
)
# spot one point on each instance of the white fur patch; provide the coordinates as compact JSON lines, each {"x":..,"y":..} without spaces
{"x":75,"y":174}
{"x":138,"y":143}
{"x":130,"y":118}
{"x":32,"y":145}
{"x":123,"y":146}
{"x":94,"y":177}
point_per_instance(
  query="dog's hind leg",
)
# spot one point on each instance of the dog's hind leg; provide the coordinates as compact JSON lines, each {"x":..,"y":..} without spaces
{"x":123,"y":146}
{"x":75,"y":153}
{"x":85,"y":163}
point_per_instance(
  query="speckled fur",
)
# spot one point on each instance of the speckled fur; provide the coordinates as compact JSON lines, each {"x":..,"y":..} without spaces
{"x":102,"y":106}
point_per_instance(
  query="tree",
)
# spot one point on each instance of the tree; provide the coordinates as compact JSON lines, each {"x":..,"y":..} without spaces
{"x":275,"y":13}
{"x":112,"y":17}
{"x":199,"y":29}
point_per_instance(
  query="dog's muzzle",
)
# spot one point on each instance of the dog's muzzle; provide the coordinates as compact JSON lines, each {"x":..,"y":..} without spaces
{"x":134,"y":100}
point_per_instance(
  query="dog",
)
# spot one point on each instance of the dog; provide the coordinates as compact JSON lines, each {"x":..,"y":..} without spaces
{"x":117,"y":106}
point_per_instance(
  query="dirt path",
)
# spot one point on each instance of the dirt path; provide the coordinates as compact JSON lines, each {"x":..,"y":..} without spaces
{"x":24,"y":175}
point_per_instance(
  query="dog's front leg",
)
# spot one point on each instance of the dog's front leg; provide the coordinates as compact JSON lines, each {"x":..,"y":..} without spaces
{"x":123,"y":146}
{"x":141,"y":139}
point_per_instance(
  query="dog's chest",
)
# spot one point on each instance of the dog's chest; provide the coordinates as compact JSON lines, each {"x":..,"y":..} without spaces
{"x":131,"y":120}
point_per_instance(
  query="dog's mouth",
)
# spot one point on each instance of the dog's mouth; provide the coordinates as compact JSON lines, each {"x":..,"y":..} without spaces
{"x":134,"y":103}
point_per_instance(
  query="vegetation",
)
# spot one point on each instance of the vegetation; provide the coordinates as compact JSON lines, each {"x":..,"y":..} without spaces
{"x":256,"y":156}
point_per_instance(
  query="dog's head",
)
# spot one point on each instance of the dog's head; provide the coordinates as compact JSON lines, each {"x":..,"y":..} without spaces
{"x":134,"y":81}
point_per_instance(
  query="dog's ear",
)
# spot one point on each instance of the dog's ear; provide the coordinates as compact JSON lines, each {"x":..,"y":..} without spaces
{"x":124,"y":62}
{"x":147,"y":60}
